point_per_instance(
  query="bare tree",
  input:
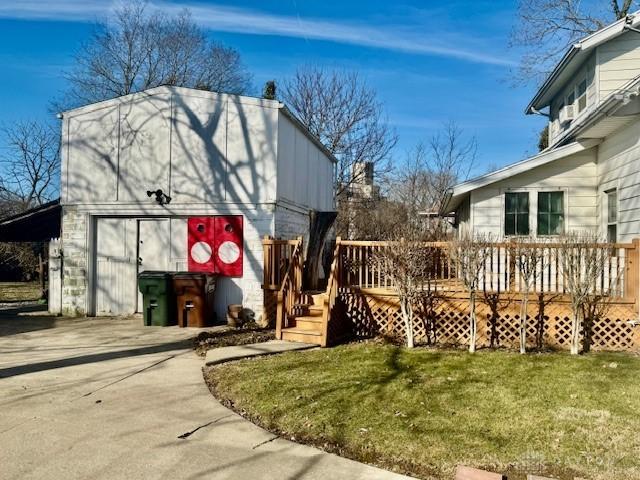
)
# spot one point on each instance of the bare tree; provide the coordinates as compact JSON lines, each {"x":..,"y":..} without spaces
{"x":587,"y":278}
{"x":545,"y":29}
{"x":430,"y":169}
{"x":138,"y":49}
{"x":30,"y":168}
{"x":370,"y":218}
{"x":346,"y":115}
{"x":408,"y":263}
{"x":528,"y":258}
{"x":469,"y":255}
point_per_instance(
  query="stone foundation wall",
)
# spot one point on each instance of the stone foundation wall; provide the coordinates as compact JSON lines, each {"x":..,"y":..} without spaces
{"x":75,"y":234}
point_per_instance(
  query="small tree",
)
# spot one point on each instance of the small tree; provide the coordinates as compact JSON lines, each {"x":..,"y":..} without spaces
{"x":584,"y":264}
{"x":469,"y":254}
{"x":528,"y":258}
{"x":269,"y":90}
{"x":408,"y":263}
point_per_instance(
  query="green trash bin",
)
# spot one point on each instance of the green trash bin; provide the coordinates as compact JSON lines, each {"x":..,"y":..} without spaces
{"x":157,"y":298}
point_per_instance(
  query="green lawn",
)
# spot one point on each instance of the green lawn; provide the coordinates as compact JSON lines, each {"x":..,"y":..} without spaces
{"x":19,"y":291}
{"x":422,"y":412}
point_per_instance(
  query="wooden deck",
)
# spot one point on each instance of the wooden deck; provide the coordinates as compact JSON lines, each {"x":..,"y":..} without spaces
{"x":360,"y":300}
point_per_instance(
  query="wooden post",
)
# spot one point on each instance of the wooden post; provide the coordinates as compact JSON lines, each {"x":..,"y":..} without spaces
{"x":632,"y":274}
{"x":279,"y":313}
{"x":41,"y":275}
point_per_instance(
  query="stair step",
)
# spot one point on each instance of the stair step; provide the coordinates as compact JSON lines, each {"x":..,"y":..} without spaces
{"x":308,"y":310}
{"x":298,"y":335}
{"x":309,"y":323}
{"x":318,"y":299}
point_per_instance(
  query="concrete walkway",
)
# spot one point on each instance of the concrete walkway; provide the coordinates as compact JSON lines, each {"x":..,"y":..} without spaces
{"x":107,"y":398}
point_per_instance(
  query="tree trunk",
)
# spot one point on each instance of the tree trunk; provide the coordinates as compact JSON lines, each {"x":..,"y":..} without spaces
{"x":523,"y":323}
{"x":540,"y":329}
{"x":575,"y":331}
{"x":407,"y":315}
{"x":472,"y":322}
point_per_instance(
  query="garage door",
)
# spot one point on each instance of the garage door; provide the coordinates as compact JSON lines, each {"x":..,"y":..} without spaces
{"x":116,"y":266}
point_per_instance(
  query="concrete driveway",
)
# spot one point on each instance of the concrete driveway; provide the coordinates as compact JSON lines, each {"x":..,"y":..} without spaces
{"x":108,"y":398}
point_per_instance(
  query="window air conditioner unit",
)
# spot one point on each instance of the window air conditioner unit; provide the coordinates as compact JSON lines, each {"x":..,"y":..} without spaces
{"x":566,"y":114}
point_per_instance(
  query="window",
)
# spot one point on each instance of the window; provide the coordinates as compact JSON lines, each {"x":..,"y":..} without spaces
{"x":550,"y":213}
{"x":516,"y":213}
{"x":582,"y":95}
{"x":571,"y":98}
{"x":612,"y":215}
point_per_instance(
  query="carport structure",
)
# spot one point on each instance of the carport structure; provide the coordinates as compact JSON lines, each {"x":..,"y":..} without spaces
{"x":40,"y":224}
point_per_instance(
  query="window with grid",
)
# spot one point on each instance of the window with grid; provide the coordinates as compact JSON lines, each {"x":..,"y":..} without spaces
{"x":582,"y":95}
{"x":516,"y":213}
{"x":550,"y":213}
{"x":612,"y":216}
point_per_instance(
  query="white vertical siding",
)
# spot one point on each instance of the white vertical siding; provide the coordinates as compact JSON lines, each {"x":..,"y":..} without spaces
{"x":144,"y":147}
{"x":575,"y":175}
{"x":198,"y":147}
{"x":305,"y":173}
{"x":251,"y":152}
{"x":90,"y":162}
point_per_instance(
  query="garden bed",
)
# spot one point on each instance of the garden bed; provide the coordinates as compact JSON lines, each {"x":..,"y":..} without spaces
{"x":226,"y":338}
{"x":422,"y":412}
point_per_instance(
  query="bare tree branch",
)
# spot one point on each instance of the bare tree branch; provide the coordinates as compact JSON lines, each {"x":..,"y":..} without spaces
{"x":30,"y":169}
{"x":544,"y":29}
{"x":432,"y":168}
{"x":139,"y":49}
{"x":345,"y":114}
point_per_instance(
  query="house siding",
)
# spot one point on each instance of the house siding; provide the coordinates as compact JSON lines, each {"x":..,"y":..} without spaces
{"x":588,"y":71}
{"x":618,"y":62}
{"x":576,"y":175}
{"x":213,"y":155}
{"x":305,"y":173}
{"x":618,"y":167}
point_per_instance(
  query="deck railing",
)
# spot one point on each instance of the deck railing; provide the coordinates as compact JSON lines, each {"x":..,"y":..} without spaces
{"x":360,"y":267}
{"x":290,"y":289}
{"x":277,"y":257}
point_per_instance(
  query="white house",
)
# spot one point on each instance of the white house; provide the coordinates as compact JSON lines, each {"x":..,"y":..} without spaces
{"x":588,"y":179}
{"x":212,"y":156}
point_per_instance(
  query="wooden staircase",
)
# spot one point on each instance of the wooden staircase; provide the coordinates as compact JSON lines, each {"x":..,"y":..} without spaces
{"x":306,"y":322}
{"x":304,"y":316}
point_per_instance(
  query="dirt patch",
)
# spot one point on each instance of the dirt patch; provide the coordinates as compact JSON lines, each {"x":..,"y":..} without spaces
{"x":227,"y":338}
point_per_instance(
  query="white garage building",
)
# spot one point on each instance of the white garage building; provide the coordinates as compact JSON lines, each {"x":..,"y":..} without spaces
{"x":211,"y":155}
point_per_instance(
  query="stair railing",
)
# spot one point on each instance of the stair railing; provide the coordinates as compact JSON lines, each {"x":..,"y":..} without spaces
{"x":290,"y":291}
{"x":331,"y":294}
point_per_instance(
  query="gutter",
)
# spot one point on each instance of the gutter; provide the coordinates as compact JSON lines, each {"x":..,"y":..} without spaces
{"x":609,"y":106}
{"x":575,"y":48}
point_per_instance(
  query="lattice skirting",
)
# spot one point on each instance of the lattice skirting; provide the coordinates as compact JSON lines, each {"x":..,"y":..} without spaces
{"x":447,"y":323}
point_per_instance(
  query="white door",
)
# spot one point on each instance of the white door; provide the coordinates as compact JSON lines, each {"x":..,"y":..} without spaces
{"x":115,"y":280}
{"x":153,"y":247}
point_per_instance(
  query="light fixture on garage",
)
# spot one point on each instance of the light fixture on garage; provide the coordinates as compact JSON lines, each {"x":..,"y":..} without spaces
{"x":161,"y":197}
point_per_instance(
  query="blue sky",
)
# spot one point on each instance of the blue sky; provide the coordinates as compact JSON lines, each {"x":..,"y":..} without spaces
{"x":430,"y":61}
